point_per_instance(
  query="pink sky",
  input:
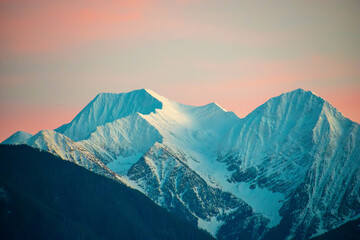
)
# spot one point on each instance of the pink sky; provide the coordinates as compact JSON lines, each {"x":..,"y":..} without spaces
{"x":55,"y":56}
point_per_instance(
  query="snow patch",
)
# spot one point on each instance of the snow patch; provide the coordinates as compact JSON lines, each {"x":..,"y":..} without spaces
{"x":122,"y":164}
{"x":262,"y":201}
{"x":211,"y":226}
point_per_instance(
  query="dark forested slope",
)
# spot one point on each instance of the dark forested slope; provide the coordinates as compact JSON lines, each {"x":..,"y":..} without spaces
{"x":347,"y":231}
{"x":45,"y":197}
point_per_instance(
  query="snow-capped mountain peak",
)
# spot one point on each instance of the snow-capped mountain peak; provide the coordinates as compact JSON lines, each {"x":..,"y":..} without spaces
{"x":107,"y":107}
{"x":237,"y":178}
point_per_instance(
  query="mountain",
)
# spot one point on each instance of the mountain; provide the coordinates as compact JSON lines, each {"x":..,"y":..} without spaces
{"x":290,"y":169}
{"x":107,"y":107}
{"x":19,"y":137}
{"x":45,"y":197}
{"x":308,"y":152}
{"x":298,"y":145}
{"x":67,"y":149}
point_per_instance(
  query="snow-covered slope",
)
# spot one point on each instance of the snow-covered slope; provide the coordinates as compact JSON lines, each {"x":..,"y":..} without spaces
{"x":19,"y":137}
{"x":273,"y":140}
{"x":297,"y":144}
{"x":289,"y":169}
{"x":107,"y":107}
{"x":67,"y":149}
{"x":122,"y":141}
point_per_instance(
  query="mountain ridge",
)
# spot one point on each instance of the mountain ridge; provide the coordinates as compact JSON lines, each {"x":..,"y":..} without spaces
{"x":261,"y":162}
{"x":44,"y":197}
{"x":107,"y":107}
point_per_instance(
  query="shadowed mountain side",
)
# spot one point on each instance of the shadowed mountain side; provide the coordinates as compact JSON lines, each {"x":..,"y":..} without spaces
{"x":45,"y":197}
{"x":348,"y":231}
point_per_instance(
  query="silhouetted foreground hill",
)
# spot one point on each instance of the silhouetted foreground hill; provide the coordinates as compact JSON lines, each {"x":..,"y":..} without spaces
{"x":45,"y":197}
{"x":350,"y":231}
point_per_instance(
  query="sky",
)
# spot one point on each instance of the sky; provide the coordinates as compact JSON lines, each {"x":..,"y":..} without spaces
{"x":56,"y":56}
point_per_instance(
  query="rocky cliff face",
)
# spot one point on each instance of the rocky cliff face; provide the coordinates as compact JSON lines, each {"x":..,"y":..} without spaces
{"x":165,"y":177}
